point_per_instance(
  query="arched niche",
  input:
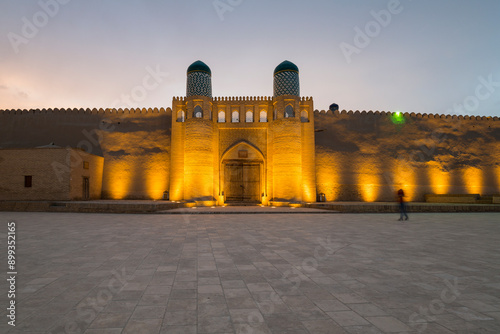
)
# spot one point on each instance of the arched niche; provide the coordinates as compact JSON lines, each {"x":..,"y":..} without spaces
{"x":249,"y":117}
{"x":198,"y":112}
{"x":222,"y":117}
{"x":289,"y":112}
{"x":263,"y":116}
{"x":235,"y":117}
{"x":304,"y":116}
{"x":181,"y":116}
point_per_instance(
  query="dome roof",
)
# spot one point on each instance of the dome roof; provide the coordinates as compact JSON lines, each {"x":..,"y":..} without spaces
{"x":199,"y":66}
{"x":286,"y":66}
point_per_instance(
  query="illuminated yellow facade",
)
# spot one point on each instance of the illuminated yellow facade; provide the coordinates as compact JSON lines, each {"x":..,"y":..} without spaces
{"x":256,"y":150}
{"x":265,"y":150}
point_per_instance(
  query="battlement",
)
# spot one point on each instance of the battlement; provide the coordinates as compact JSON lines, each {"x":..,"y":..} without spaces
{"x":406,"y":114}
{"x":243,"y":99}
{"x":88,"y":111}
{"x":150,"y":111}
{"x":181,"y":99}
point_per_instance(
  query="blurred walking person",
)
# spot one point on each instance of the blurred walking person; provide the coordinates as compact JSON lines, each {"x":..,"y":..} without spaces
{"x":402,"y":205}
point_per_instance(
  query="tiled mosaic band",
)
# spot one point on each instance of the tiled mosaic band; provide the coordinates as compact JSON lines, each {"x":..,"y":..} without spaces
{"x":286,"y":83}
{"x":199,"y":83}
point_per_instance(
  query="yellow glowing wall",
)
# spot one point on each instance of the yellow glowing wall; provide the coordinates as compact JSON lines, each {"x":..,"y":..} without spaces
{"x":136,"y":165}
{"x":425,"y":154}
{"x":328,"y":176}
{"x":118,"y":177}
{"x":439,"y":178}
{"x":157,"y":176}
{"x":369,"y":178}
{"x":447,"y":154}
{"x":199,"y":160}
{"x":176,"y":192}
{"x":473,"y":180}
{"x":403,"y":176}
{"x":287,"y":160}
{"x":308,"y":153}
{"x":496,"y":173}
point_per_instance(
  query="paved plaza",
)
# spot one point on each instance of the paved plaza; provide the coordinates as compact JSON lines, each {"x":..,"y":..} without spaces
{"x":262,"y":273}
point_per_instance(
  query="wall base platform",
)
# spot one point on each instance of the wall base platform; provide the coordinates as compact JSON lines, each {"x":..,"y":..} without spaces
{"x":138,"y":206}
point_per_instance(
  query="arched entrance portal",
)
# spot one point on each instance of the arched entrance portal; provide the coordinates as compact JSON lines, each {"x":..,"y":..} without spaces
{"x":243,"y":174}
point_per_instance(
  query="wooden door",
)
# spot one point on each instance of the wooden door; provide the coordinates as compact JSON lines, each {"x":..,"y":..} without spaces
{"x":242,"y":182}
{"x":233,"y":176}
{"x":251,"y":183}
{"x":86,"y":188}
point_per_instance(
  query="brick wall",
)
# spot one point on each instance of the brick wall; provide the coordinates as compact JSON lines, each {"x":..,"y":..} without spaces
{"x":52,"y":176}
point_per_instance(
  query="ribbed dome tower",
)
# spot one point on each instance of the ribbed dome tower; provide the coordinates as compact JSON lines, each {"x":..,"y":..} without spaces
{"x":199,"y":80}
{"x":286,"y":79}
{"x":293,"y":138}
{"x":199,"y":131}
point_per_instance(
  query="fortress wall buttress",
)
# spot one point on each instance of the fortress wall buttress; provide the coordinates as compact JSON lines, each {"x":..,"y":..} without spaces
{"x":176,"y":192}
{"x":199,"y":160}
{"x":287,"y":160}
{"x":216,"y":187}
{"x":308,"y":152}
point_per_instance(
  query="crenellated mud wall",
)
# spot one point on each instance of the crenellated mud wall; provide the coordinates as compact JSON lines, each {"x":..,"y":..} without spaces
{"x":370,"y":155}
{"x":135,"y":143}
{"x":359,"y":155}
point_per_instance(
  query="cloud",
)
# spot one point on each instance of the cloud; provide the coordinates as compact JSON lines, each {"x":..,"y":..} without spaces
{"x":12,"y":97}
{"x":22,"y":94}
{"x":14,"y":91}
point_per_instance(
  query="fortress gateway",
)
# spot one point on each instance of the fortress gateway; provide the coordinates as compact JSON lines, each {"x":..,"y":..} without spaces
{"x":253,"y":149}
{"x":216,"y":150}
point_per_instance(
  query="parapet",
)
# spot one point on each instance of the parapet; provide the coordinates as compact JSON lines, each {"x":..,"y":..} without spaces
{"x":87,"y":111}
{"x":152,"y":111}
{"x":238,"y":99}
{"x":242,"y":99}
{"x":177,"y":99}
{"x":406,"y":114}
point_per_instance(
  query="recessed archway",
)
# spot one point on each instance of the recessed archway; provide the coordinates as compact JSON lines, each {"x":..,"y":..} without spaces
{"x":242,"y":174}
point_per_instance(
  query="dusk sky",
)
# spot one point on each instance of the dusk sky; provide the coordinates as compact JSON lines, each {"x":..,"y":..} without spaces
{"x":413,"y":56}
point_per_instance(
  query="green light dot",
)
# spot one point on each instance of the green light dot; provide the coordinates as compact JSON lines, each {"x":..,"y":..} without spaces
{"x":398,"y":118}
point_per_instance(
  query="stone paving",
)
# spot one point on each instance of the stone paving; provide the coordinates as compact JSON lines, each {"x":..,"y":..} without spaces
{"x":276,"y":273}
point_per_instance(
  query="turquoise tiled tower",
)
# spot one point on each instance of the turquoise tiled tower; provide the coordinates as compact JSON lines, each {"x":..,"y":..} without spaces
{"x":199,"y":80}
{"x":286,"y":79}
